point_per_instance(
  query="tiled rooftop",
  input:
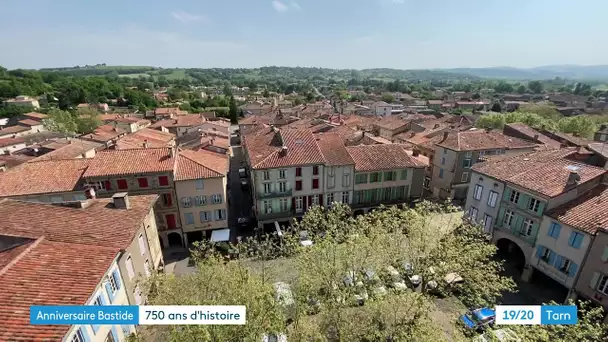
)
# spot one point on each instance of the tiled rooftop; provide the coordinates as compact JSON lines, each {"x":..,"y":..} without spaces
{"x":40,"y":177}
{"x":588,"y":212}
{"x":98,"y":224}
{"x":153,"y":137}
{"x":532,"y":134}
{"x":11,"y":141}
{"x":48,"y":273}
{"x":13,"y":129}
{"x":35,"y":115}
{"x":545,"y":172}
{"x":131,"y":161}
{"x":483,"y":140}
{"x":75,"y":148}
{"x":200,"y":164}
{"x":382,"y":157}
{"x":104,"y":133}
{"x":30,"y":122}
{"x":265,"y":149}
{"x":181,"y":121}
{"x":333,"y":149}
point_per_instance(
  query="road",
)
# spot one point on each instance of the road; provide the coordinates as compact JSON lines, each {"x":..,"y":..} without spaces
{"x":240,"y":201}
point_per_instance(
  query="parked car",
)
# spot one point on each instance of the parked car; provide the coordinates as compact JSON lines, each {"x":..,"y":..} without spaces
{"x":500,"y":335}
{"x":242,"y":173}
{"x":305,"y":239}
{"x":479,"y":319}
{"x":274,"y":338}
{"x":394,"y":279}
{"x":244,"y":184}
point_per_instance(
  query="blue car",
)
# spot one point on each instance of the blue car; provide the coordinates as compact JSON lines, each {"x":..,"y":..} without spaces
{"x":479,"y":319}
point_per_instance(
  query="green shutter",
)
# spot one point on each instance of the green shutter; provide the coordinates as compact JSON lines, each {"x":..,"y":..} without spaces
{"x":541,"y":208}
{"x":379,"y":176}
{"x":501,"y":215}
{"x":518,"y":223}
{"x":523,"y":202}
{"x":506,"y":194}
{"x":404,"y":175}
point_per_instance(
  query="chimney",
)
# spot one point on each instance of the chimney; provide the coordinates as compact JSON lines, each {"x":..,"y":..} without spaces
{"x":415,"y":153}
{"x":284,"y":150}
{"x":121,"y":200}
{"x":445,"y":136}
{"x":573,"y":178}
{"x":115,"y":129}
{"x":90,"y":193}
{"x":146,"y":145}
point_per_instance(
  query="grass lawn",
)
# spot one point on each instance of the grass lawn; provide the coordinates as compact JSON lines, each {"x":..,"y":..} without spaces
{"x":133,"y":75}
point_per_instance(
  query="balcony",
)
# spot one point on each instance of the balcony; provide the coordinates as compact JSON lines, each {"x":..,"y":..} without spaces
{"x":551,"y":271}
{"x":377,"y":203}
{"x":275,"y":215}
{"x":274,"y":194}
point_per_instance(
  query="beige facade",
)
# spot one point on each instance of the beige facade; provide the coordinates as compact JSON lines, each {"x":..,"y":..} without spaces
{"x":24,"y":101}
{"x":592,"y":282}
{"x":202,"y":206}
{"x":386,"y":187}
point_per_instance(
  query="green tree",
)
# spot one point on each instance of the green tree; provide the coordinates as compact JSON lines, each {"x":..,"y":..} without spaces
{"x":233,"y":111}
{"x":544,"y":110}
{"x":388,"y":98}
{"x":581,"y":126}
{"x":521,"y":89}
{"x":536,"y":87}
{"x":496,"y":107}
{"x":87,"y":120}
{"x":61,"y":121}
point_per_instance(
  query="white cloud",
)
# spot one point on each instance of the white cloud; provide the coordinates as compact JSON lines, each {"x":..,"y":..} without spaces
{"x":279,"y":6}
{"x":185,"y":17}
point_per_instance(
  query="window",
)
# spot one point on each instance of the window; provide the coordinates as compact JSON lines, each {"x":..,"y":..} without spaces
{"x":315,"y":183}
{"x":534,"y":204}
{"x":137,"y":295}
{"x":346,"y":180}
{"x":508,"y":219}
{"x":331,"y":170}
{"x":331,"y":181}
{"x":466,"y":163}
{"x":526,"y":228}
{"x":220,"y":214}
{"x":473,"y":213}
{"x":79,"y":197}
{"x":442,"y":160}
{"x":98,"y":301}
{"x":167,"y":200}
{"x":282,"y":187}
{"x":487,"y":222}
{"x":122,"y":184}
{"x":361,"y":178}
{"x":163,"y":180}
{"x":186,"y":202}
{"x":283,"y":204}
{"x":267,"y":188}
{"x":477,"y":192}
{"x":390,"y":176}
{"x":465,"y":177}
{"x":204,"y":216}
{"x":267,"y":207}
{"x":78,"y":336}
{"x":142,"y":244}
{"x":603,"y":285}
{"x":299,"y":204}
{"x":345,"y":197}
{"x":200,"y":200}
{"x":56,"y":199}
{"x":282,"y":174}
{"x":468,"y":154}
{"x":315,"y":170}
{"x":492,"y":199}
{"x":330,"y":198}
{"x":130,"y":269}
{"x":298,"y":172}
{"x":546,"y":254}
{"x":575,"y":240}
{"x":114,"y":281}
{"x":216,"y":199}
{"x":266,"y":175}
{"x":107,"y":185}
{"x":189,"y":218}
{"x":298,"y":185}
{"x":514,"y":197}
{"x":564,"y":265}
{"x":440,"y":173}
{"x":404,"y":175}
{"x":142,"y":182}
{"x":445,"y":151}
{"x":554,"y":230}
{"x":315,"y":200}
{"x":374,"y":177}
{"x":147,"y":268}
{"x":199,"y":184}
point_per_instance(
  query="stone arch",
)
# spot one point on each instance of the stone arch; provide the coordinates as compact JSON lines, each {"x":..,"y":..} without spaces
{"x":175,"y":239}
{"x":512,"y":251}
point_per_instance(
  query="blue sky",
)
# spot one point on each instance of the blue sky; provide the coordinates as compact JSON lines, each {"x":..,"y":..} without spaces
{"x":405,"y":34}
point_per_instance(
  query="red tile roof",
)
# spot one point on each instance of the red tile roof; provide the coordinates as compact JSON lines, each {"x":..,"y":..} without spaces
{"x":382,"y":157}
{"x":75,"y":148}
{"x":13,"y":129}
{"x":30,"y":122}
{"x":41,"y":177}
{"x":11,"y":141}
{"x":200,"y":164}
{"x":545,"y":172}
{"x":34,"y":115}
{"x":132,"y":161}
{"x":153,"y":137}
{"x":49,"y":273}
{"x":97,"y":224}
{"x":265,"y":149}
{"x":333,"y":149}
{"x":104,"y":133}
{"x":180,"y":121}
{"x":588,"y":212}
{"x":534,"y":135}
{"x":483,"y":140}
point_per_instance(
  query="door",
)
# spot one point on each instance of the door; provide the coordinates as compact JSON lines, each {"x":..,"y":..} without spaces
{"x":170,"y":221}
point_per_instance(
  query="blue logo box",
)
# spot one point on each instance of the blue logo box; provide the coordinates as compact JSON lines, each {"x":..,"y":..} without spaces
{"x":558,"y":314}
{"x":84,"y":314}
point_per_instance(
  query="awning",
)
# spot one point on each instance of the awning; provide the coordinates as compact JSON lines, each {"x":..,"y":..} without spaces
{"x":220,"y":235}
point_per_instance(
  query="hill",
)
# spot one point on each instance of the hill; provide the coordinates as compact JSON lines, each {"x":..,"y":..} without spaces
{"x":573,"y":72}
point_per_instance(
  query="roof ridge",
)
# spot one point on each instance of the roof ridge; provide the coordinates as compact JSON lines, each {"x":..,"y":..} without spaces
{"x":21,"y":255}
{"x":205,"y":166}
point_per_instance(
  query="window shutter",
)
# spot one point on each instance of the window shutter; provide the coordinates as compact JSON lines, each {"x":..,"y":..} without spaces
{"x":116,"y":279}
{"x":523,"y":202}
{"x":571,"y":239}
{"x":321,"y":200}
{"x":541,"y":207}
{"x":594,"y":279}
{"x":578,"y":241}
{"x":539,"y":251}
{"x":605,"y":254}
{"x":115,"y":333}
{"x":109,"y":291}
{"x":293,"y":203}
{"x":108,"y":185}
{"x":506,"y":194}
{"x":501,"y":216}
{"x":572,"y":270}
{"x":558,"y":262}
{"x":551,"y":257}
{"x":558,"y":228}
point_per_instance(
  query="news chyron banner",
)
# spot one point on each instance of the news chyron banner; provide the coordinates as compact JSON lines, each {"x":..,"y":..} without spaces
{"x":138,"y":315}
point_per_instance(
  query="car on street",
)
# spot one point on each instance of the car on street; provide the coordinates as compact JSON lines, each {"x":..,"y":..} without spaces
{"x":479,"y":319}
{"x":244,"y":184}
{"x":242,"y":173}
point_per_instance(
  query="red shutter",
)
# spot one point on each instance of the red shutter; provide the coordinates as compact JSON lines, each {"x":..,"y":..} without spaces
{"x":293,"y":204}
{"x":108,"y":185}
{"x":298,"y":172}
{"x":122,"y":184}
{"x":321,"y":200}
{"x":163,"y":180}
{"x":315,"y":183}
{"x":168,"y":200}
{"x":170,"y":220}
{"x":143,"y":182}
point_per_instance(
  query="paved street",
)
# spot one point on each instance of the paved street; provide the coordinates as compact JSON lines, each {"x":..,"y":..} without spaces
{"x":240,"y":201}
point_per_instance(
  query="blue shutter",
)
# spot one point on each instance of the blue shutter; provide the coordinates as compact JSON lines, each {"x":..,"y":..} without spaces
{"x":84,"y":333}
{"x":558,"y":262}
{"x":109,"y":290}
{"x":558,"y":228}
{"x":578,"y":240}
{"x":116,"y":279}
{"x":551,"y":257}
{"x":572,"y":270}
{"x":539,"y":251}
{"x":571,"y":239}
{"x":115,"y":333}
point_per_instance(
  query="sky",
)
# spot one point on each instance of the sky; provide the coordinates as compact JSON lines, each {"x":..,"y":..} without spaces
{"x":402,"y":34}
